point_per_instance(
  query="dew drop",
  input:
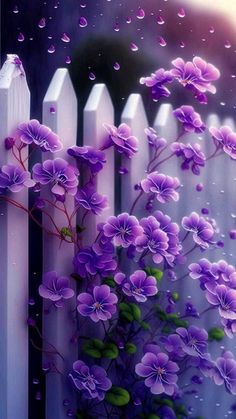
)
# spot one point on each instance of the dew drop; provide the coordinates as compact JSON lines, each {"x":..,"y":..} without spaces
{"x":116,"y":27}
{"x":212,"y":30}
{"x":140,"y":13}
{"x":116,"y":66}
{"x":42,"y":23}
{"x":52,"y":110}
{"x":128,"y":20}
{"x":20,"y":37}
{"x":160,"y":20}
{"x":68,"y":59}
{"x":35,"y":381}
{"x":83,"y":22}
{"x":15,"y":9}
{"x":133,"y":47}
{"x":181,"y":13}
{"x":227,"y":44}
{"x":38,"y":395}
{"x":162,"y":42}
{"x":182,"y":44}
{"x":51,"y":49}
{"x":92,"y":76}
{"x":83,"y":5}
{"x":65,"y":38}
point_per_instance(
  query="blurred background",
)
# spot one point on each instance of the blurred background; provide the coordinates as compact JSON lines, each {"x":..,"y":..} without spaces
{"x":115,"y":42}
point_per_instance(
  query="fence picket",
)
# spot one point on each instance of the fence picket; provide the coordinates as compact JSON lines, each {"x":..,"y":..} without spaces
{"x":99,"y":110}
{"x":58,"y":326}
{"x":14,"y":108}
{"x":134,"y":116}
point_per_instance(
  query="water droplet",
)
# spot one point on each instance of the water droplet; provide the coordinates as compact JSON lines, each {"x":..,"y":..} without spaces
{"x":38,"y":395}
{"x":133,"y":47}
{"x":83,"y":5}
{"x":160,"y":20}
{"x":182,"y":44}
{"x":65,"y":38}
{"x":212,"y":30}
{"x":128,"y":20}
{"x":83,"y":22}
{"x":140,"y":14}
{"x":92,"y":76}
{"x":68,"y":59}
{"x":42,"y":23}
{"x":36,"y":381}
{"x":162,"y":42}
{"x":116,"y":27}
{"x":31,"y":302}
{"x":233,"y":215}
{"x":227,"y":44}
{"x":51,"y":49}
{"x":181,"y":13}
{"x":15,"y":9}
{"x":52,"y":110}
{"x":20,"y":37}
{"x":116,"y":66}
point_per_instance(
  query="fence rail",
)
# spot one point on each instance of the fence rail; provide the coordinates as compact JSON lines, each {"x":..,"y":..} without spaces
{"x":60,"y":114}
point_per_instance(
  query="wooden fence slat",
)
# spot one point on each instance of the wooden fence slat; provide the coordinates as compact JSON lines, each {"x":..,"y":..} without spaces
{"x":58,"y":325}
{"x":98,"y":111}
{"x":14,"y":108}
{"x":134,"y":116}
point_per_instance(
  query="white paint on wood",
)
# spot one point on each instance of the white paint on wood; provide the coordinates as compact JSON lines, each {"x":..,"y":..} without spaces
{"x":14,"y":108}
{"x":59,"y":325}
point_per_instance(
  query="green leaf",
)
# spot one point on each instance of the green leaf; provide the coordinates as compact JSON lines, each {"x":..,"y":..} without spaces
{"x":135,"y":310}
{"x":125,"y":315}
{"x":164,"y":402}
{"x":153,"y":416}
{"x":157,"y":273}
{"x":175,"y":296}
{"x":117,"y":396}
{"x":216,"y":333}
{"x":65,"y":232}
{"x":180,"y":323}
{"x":130,"y":348}
{"x":110,"y":282}
{"x":181,"y":410}
{"x":110,"y":351}
{"x":161,"y":314}
{"x":145,"y":325}
{"x":124,"y":307}
{"x":94,"y":348}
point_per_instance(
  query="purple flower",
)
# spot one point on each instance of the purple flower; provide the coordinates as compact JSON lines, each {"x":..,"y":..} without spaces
{"x":192,"y":156}
{"x":162,"y":186}
{"x":139,"y":285}
{"x":173,"y":345}
{"x":196,"y":75}
{"x":91,"y":200}
{"x":55,"y":288}
{"x":62,"y":176}
{"x":94,"y":159}
{"x":94,"y":260}
{"x":172,"y":231}
{"x":159,"y":373}
{"x":190,"y":119}
{"x":202,"y":230}
{"x":13,"y":178}
{"x":92,"y":381}
{"x":99,"y":305}
{"x":153,"y":239}
{"x":34,"y":132}
{"x":226,"y":139}
{"x":202,"y":271}
{"x":194,"y":340}
{"x":121,"y":139}
{"x":157,"y":83}
{"x":154,"y":140}
{"x":225,"y":372}
{"x":124,"y":229}
{"x":222,"y":297}
{"x":229,"y":327}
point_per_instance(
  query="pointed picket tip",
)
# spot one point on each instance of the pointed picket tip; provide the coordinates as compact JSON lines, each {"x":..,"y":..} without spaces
{"x":99,"y":98}
{"x":134,"y":113}
{"x":165,"y":123}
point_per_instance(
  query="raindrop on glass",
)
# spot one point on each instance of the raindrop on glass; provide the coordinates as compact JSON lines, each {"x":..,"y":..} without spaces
{"x":51,"y":49}
{"x":35,"y":381}
{"x":65,"y":38}
{"x":212,"y":30}
{"x":133,"y":47}
{"x":160,"y":20}
{"x":182,"y":44}
{"x":42,"y":23}
{"x":181,"y":13}
{"x":92,"y":76}
{"x":83,"y":22}
{"x":68,"y":59}
{"x":116,"y":66}
{"x":141,"y":13}
{"x":227,"y":44}
{"x":116,"y":27}
{"x":20,"y":37}
{"x":128,"y":20}
{"x":162,"y":42}
{"x":15,"y":9}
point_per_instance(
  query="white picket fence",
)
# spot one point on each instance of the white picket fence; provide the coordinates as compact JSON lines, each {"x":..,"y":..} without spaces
{"x":15,"y":108}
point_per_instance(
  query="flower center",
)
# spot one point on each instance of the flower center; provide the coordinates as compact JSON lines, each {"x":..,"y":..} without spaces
{"x":160,"y":371}
{"x":97,"y":306}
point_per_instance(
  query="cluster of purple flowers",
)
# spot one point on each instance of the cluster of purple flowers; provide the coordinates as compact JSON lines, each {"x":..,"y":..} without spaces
{"x":14,"y":178}
{"x":139,"y":285}
{"x":191,"y":154}
{"x":225,"y":138}
{"x":190,"y":119}
{"x":202,"y":230}
{"x":122,"y":139}
{"x":163,"y":187}
{"x":33,"y":132}
{"x":196,"y":75}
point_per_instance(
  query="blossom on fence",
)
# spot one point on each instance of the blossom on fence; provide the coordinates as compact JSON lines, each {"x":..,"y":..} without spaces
{"x":91,"y":200}
{"x":59,"y":174}
{"x":92,"y":381}
{"x":162,"y":186}
{"x":100,"y":304}
{"x":123,"y":229}
{"x":157,"y":82}
{"x":41,"y":135}
{"x":202,"y":230}
{"x":139,"y":285}
{"x":90,"y":156}
{"x":225,"y":372}
{"x":172,"y":231}
{"x":122,"y":139}
{"x":93,"y":260}
{"x":153,"y":239}
{"x":190,"y":119}
{"x":191,"y":154}
{"x":159,"y":373}
{"x":226,"y":138}
{"x":193,"y":340}
{"x":223,"y":298}
{"x":55,"y":288}
{"x":14,"y":178}
{"x":154,"y":140}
